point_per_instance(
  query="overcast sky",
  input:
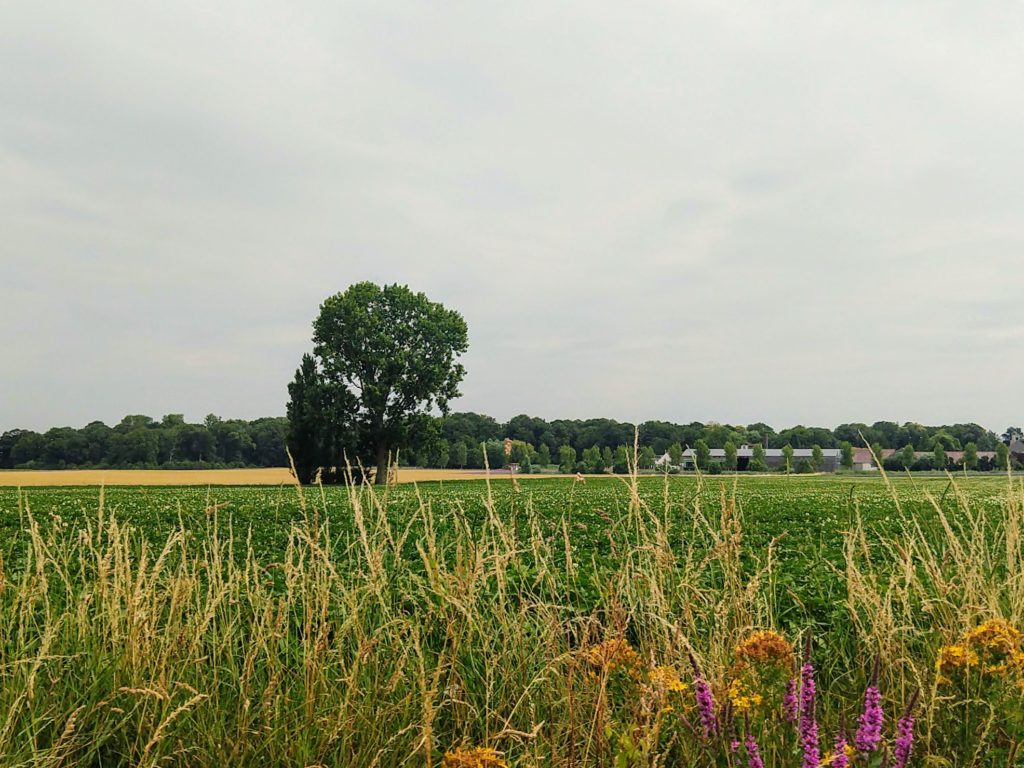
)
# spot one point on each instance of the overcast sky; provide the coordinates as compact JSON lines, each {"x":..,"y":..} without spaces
{"x":789,"y":212}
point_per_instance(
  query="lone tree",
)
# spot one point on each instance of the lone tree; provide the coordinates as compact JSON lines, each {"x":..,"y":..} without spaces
{"x":702,"y":455}
{"x":846,"y":448}
{"x":731,"y":462}
{"x":384,"y":357}
{"x":817,"y":458}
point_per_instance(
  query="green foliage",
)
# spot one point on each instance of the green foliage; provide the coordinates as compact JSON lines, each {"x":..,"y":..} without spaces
{"x":646,"y":458}
{"x":675,"y":454}
{"x":459,"y":455}
{"x":847,"y":454}
{"x":908,"y":455}
{"x":180,"y":444}
{"x":1002,"y":456}
{"x":566,"y":459}
{"x":313,"y":421}
{"x":787,"y":458}
{"x":971,"y":456}
{"x":438,"y":454}
{"x":593,"y":460}
{"x":620,"y":460}
{"x":702,"y":454}
{"x":260,"y":614}
{"x":731,"y":462}
{"x":544,"y":456}
{"x":391,"y":355}
{"x":877,"y":453}
{"x":817,"y":458}
{"x":495,"y":451}
{"x":757,"y":462}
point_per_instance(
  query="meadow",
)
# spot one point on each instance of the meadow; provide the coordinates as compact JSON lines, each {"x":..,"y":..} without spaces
{"x":526,"y":623}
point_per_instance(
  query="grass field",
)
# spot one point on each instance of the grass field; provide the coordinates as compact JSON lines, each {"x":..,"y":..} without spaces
{"x":409,"y":626}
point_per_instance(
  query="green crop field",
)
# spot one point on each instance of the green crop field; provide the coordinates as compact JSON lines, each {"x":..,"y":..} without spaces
{"x":466,"y":621}
{"x":805,"y":516}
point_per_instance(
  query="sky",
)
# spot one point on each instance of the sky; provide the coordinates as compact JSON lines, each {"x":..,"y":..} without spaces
{"x":790,"y":212}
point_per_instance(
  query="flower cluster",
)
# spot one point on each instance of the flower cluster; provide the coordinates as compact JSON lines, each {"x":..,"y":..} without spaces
{"x":790,"y":705}
{"x":742,"y":698}
{"x":763,"y":661}
{"x":667,"y":680}
{"x":869,"y":734}
{"x":904,"y":740}
{"x":759,"y":694}
{"x":808,"y":718}
{"x":705,"y":700}
{"x":994,"y":635}
{"x":956,"y":657}
{"x":612,"y":655}
{"x":993,"y":648}
{"x":869,"y":729}
{"x":753,"y":752}
{"x":765,"y":647}
{"x":476,"y":757}
{"x":841,"y":756}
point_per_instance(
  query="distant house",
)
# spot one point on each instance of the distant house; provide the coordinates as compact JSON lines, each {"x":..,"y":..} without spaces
{"x":663,"y":462}
{"x":863,"y":462}
{"x":1017,"y":449}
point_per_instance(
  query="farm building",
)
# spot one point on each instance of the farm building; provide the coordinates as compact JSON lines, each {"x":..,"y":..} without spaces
{"x":663,"y":462}
{"x":862,"y":461}
{"x":773,"y":457}
{"x":862,"y":457}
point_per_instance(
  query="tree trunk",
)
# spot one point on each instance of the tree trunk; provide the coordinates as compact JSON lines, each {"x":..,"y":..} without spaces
{"x":381,"y":477}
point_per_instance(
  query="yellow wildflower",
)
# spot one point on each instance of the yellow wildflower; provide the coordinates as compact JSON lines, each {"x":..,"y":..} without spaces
{"x":477,"y":757}
{"x":742,"y":698}
{"x":765,"y":647}
{"x":830,"y":756}
{"x":994,"y":635}
{"x":667,"y":679}
{"x":611,"y":655}
{"x":954,"y":657}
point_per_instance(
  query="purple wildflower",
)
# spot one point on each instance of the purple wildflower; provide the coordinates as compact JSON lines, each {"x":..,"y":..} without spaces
{"x":790,"y":706}
{"x":706,"y":706}
{"x":808,"y":722}
{"x":753,"y":753}
{"x":905,"y":735}
{"x":705,"y":700}
{"x":734,"y":746}
{"x":869,"y":732}
{"x":841,"y":759}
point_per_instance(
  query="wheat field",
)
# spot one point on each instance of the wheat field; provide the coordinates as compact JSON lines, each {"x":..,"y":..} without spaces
{"x":259,"y":476}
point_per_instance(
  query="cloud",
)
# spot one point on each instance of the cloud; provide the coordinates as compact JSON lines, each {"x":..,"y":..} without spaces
{"x":739,"y":212}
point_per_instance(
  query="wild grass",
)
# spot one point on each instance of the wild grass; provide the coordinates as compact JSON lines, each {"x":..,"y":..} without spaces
{"x":346,"y":649}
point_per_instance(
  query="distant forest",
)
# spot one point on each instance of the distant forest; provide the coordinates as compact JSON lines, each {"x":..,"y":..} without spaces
{"x":458,"y":440}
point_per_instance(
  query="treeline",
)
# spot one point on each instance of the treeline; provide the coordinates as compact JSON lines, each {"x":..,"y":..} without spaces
{"x":141,"y":442}
{"x":460,"y":440}
{"x":602,"y":444}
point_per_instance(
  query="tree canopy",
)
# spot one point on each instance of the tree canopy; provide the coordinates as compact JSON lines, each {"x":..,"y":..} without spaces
{"x":384,"y":359}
